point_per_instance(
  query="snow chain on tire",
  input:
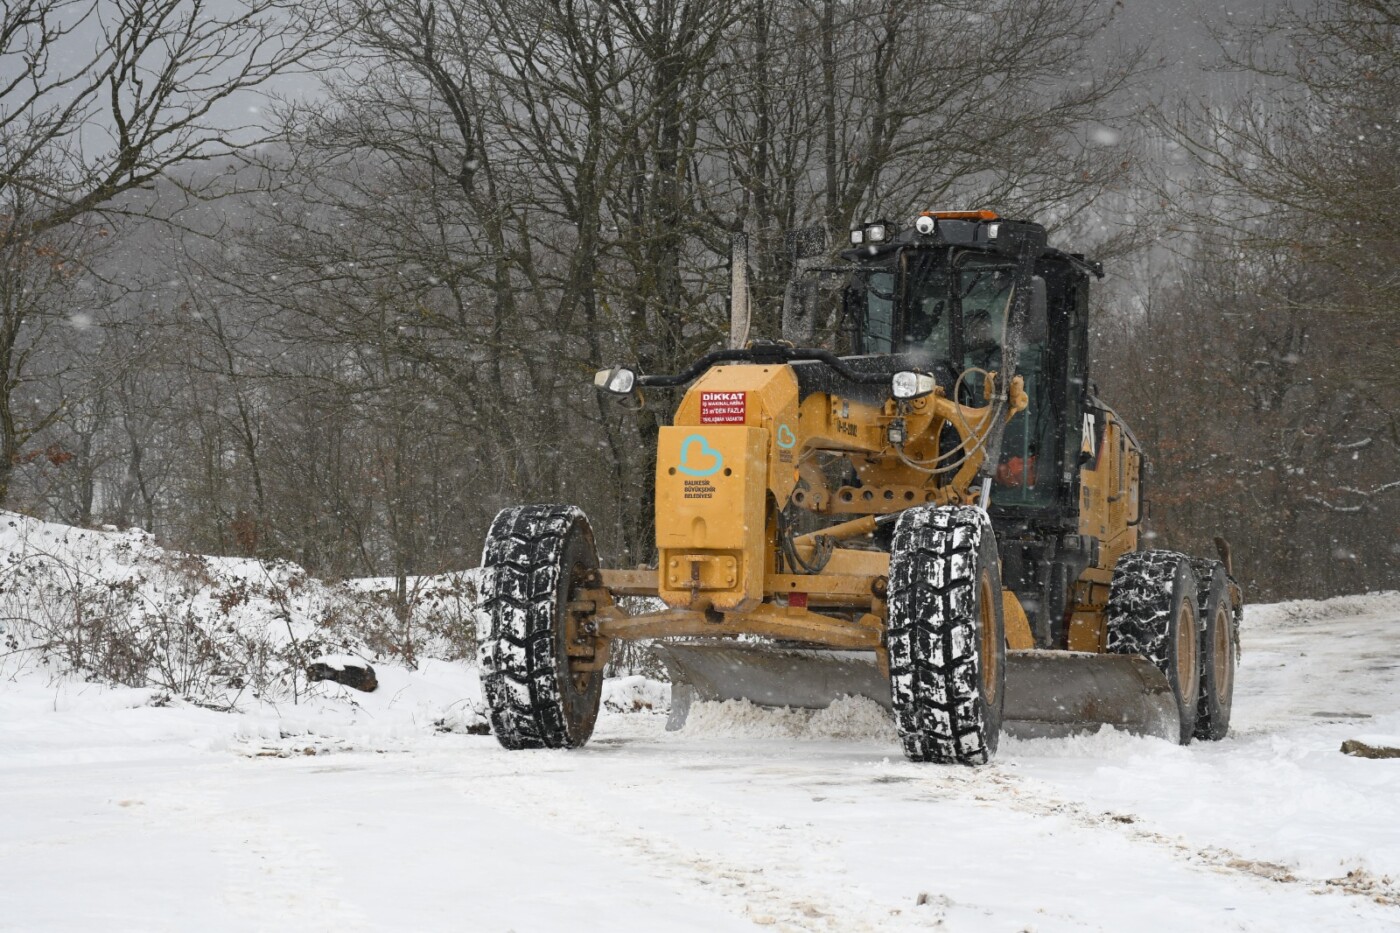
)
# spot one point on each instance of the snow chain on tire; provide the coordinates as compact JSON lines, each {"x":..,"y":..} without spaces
{"x":947,"y":702}
{"x":532,"y":555}
{"x":1145,"y":599}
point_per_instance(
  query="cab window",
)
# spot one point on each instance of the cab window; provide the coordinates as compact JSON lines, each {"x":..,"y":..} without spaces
{"x":877,"y":330}
{"x":928,"y":326}
{"x":984,"y":293}
{"x":1026,"y":474}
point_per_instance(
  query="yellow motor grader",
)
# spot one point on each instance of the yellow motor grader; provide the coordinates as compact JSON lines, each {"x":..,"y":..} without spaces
{"x":944,"y":520}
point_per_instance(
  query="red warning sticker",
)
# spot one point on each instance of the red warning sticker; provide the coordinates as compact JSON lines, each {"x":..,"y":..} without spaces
{"x":723,"y":407}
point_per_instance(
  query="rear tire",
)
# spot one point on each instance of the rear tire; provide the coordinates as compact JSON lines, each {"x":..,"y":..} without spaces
{"x":535,"y":557}
{"x":945,"y":635}
{"x":1152,"y":612}
{"x":1218,"y":652}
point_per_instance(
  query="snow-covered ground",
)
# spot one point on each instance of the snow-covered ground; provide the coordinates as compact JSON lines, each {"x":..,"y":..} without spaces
{"x":123,"y":810}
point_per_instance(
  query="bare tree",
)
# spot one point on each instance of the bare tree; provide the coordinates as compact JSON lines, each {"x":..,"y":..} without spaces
{"x":1305,"y":166}
{"x":493,"y":198}
{"x":501,"y":196}
{"x":1256,"y":424}
{"x":98,"y":99}
{"x":831,"y":112}
{"x":42,"y":299}
{"x":1265,"y":377}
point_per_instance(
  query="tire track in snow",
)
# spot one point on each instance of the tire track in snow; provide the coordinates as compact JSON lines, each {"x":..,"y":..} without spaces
{"x":1022,"y":795}
{"x":277,"y":880}
{"x":751,"y":886}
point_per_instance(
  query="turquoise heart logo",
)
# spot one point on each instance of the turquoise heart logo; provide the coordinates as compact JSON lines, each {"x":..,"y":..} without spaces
{"x":693,"y":462}
{"x":785,"y":437}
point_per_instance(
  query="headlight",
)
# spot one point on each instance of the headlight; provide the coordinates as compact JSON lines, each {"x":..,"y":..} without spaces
{"x":875,"y":233}
{"x":906,"y":385}
{"x":619,"y":380}
{"x":925,"y":224}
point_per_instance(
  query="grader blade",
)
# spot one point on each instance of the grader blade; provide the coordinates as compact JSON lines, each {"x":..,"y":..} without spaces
{"x":766,"y":675}
{"x":1048,"y":693}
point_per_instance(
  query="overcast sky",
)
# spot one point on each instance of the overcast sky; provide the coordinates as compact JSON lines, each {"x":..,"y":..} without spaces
{"x":1178,"y":32}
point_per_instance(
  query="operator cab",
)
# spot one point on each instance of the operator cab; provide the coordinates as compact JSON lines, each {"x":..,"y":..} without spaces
{"x":940,"y":295}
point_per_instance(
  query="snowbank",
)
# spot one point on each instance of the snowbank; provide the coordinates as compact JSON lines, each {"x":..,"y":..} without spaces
{"x":847,"y":718}
{"x":112,"y":617}
{"x":114,"y":607}
{"x":635,"y":694}
{"x":1298,"y":612}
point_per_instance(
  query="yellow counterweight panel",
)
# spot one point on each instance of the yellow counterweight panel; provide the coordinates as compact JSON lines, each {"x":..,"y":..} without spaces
{"x":757,"y":396}
{"x":711,"y":499}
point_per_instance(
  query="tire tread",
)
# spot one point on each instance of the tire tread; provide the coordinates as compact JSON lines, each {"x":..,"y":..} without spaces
{"x":932,"y":637}
{"x":520,"y":677}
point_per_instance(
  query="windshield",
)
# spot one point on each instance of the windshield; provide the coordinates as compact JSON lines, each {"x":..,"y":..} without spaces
{"x":929,"y":326}
{"x":984,"y":293}
{"x":945,"y":306}
{"x":918,"y":284}
{"x":879,"y":297}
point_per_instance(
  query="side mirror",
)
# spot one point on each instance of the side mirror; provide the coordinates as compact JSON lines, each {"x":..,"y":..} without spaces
{"x":616,"y":381}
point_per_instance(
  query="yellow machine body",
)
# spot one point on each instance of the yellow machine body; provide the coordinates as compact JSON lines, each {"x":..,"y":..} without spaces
{"x":740,"y":449}
{"x":1110,"y":494}
{"x":711,"y":509}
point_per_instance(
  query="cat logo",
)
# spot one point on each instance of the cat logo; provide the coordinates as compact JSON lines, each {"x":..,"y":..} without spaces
{"x":1088,"y":446}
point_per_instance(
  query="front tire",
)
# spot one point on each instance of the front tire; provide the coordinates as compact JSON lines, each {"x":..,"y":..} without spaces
{"x":945,"y":635}
{"x":536,"y":557}
{"x":1152,"y":612}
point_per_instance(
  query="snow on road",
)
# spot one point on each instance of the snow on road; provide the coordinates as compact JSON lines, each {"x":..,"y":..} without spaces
{"x":122,"y":816}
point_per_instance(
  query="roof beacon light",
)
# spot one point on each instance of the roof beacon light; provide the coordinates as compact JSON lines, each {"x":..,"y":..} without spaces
{"x":966,"y":215}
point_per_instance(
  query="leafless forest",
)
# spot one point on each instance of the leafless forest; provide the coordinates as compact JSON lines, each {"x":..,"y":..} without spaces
{"x":328,"y":280}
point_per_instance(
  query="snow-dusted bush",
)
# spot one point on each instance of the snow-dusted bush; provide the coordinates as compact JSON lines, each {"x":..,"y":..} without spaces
{"x":115,"y":607}
{"x":437,"y":616}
